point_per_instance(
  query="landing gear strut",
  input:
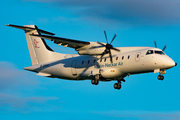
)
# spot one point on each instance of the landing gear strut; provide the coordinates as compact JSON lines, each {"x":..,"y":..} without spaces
{"x":118,"y":85}
{"x":160,"y":77}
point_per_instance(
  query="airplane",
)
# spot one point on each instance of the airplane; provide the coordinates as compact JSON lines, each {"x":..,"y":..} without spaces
{"x":95,"y":61}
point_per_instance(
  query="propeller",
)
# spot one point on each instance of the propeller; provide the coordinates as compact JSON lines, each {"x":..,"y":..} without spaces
{"x":156,"y":45}
{"x":108,"y":47}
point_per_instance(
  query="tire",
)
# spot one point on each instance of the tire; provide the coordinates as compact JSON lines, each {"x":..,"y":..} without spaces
{"x":93,"y":82}
{"x":96,"y":82}
{"x":159,"y":77}
{"x":115,"y":86}
{"x":162,"y":77}
{"x":119,"y":86}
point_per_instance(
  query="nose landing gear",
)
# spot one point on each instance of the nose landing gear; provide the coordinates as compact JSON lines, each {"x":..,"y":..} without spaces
{"x":160,"y":77}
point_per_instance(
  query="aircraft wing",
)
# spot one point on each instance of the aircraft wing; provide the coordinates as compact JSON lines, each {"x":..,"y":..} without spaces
{"x":65,"y":41}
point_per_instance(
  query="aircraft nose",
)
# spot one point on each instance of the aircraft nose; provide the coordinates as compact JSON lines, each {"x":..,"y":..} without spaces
{"x":170,"y":63}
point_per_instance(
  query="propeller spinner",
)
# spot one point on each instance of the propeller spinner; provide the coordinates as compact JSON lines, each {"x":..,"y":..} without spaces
{"x":108,"y":47}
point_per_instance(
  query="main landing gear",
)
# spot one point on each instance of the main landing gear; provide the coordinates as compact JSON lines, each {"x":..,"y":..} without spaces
{"x":118,"y":85}
{"x":95,"y":81}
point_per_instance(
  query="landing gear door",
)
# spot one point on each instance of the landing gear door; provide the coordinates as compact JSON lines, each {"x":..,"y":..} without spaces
{"x":95,"y":72}
{"x":73,"y":68}
{"x":137,"y":57}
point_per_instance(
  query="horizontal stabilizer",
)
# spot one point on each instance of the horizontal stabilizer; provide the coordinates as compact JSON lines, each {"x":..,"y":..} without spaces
{"x":30,"y":29}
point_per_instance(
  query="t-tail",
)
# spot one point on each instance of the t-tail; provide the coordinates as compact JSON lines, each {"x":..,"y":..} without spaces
{"x":39,"y":51}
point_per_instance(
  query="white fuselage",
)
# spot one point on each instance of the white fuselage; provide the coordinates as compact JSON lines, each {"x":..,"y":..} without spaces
{"x":131,"y":60}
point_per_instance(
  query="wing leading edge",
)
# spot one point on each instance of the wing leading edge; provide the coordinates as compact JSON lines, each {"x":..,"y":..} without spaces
{"x":65,"y":41}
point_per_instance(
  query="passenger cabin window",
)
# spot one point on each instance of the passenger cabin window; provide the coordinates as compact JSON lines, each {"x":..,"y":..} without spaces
{"x":122,"y":57}
{"x":116,"y":58}
{"x":88,"y":61}
{"x":137,"y":55}
{"x":94,"y":60}
{"x":82,"y":62}
{"x":128,"y":56}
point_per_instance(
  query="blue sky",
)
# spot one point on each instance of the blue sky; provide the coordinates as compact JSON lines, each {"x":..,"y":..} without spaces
{"x":23,"y":95}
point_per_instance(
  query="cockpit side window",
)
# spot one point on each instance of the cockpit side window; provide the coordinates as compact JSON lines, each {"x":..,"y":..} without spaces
{"x":149,"y":52}
{"x":159,"y":52}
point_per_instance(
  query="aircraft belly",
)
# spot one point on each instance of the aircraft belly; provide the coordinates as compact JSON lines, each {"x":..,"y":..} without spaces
{"x":66,"y":73}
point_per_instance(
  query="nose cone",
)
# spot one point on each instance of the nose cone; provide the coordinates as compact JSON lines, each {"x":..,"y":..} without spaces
{"x":170,"y":63}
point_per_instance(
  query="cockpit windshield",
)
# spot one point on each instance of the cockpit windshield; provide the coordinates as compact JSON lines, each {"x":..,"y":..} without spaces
{"x":159,"y":52}
{"x":149,"y":52}
{"x":155,"y":52}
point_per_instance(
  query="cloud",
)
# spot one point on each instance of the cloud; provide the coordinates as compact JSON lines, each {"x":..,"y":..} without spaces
{"x":17,"y":101}
{"x":17,"y":88}
{"x":11,"y":103}
{"x":129,"y":12}
{"x":141,"y":115}
{"x":11,"y":77}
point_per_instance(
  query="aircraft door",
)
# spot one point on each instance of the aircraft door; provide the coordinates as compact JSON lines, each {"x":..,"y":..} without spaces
{"x":137,"y":57}
{"x":73,"y":68}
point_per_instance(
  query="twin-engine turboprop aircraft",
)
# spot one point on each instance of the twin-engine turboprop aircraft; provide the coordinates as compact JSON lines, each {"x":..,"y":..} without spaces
{"x":95,"y":60}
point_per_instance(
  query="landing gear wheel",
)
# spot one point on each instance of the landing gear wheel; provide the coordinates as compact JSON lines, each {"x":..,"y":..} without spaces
{"x":96,"y":82}
{"x":93,"y":81}
{"x":117,"y":86}
{"x":160,"y":77}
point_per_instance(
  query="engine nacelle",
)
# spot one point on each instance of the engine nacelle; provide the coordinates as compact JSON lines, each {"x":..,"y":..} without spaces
{"x":92,"y":49}
{"x":111,"y":73}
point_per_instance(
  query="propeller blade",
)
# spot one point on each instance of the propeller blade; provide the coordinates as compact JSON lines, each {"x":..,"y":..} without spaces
{"x":105,"y":36}
{"x":105,"y":51}
{"x":101,"y":44}
{"x":113,"y":38}
{"x":164,"y":47}
{"x":155,"y":43}
{"x":110,"y":56}
{"x":115,"y":49}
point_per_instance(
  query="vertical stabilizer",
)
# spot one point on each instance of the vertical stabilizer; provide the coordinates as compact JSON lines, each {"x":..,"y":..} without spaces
{"x":39,"y":51}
